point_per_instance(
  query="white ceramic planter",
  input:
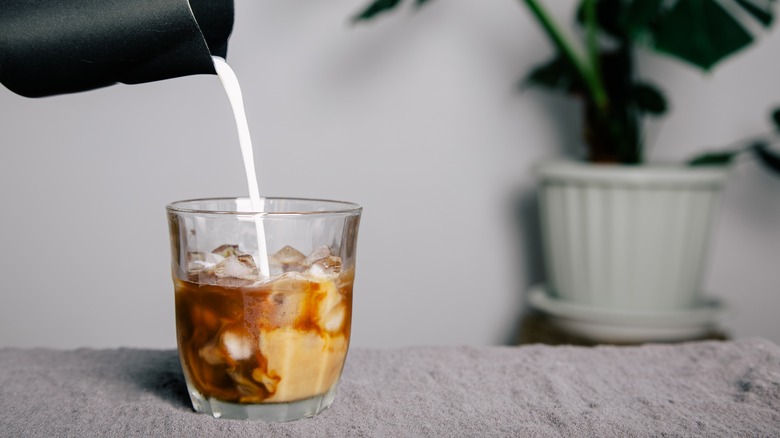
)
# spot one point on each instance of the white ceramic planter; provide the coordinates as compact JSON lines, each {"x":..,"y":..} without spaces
{"x":627,"y":237}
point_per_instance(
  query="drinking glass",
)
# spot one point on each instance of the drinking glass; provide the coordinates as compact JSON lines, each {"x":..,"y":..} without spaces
{"x":263,"y":296}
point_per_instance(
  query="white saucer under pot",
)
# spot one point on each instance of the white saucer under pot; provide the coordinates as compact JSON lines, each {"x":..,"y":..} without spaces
{"x":622,"y":326}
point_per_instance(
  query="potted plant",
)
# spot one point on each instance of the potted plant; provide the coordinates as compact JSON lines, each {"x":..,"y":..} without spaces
{"x":618,"y":233}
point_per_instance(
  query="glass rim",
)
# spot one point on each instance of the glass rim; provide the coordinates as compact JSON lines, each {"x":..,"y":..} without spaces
{"x":340,"y":207}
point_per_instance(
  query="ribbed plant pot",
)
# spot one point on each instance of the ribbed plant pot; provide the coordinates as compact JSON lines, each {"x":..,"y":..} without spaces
{"x":627,"y":237}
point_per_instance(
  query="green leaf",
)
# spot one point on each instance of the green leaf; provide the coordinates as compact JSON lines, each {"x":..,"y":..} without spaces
{"x":558,"y":73}
{"x":700,"y":32}
{"x":767,"y":157}
{"x":761,"y":14}
{"x":648,"y":98}
{"x":376,"y":8}
{"x":420,"y":3}
{"x":776,"y":118}
{"x":641,"y":14}
{"x":719,"y":158}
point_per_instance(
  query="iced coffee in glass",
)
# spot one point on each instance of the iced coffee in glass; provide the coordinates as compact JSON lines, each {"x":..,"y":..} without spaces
{"x":263,"y":303}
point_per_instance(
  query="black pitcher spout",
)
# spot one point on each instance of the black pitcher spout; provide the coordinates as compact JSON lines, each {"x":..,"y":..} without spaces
{"x":50,"y":47}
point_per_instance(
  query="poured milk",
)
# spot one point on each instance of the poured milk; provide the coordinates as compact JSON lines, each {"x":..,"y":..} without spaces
{"x":233,"y":90}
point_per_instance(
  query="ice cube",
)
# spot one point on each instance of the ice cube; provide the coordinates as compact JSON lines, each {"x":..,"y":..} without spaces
{"x":194,"y":256}
{"x":319,"y":253}
{"x":231,"y":345}
{"x":202,"y":277}
{"x":334,"y":320}
{"x":291,"y":282}
{"x":199,"y":265}
{"x":212,"y":354}
{"x":198,"y":261}
{"x":226,"y":250}
{"x":288,"y":255}
{"x":214,"y":258}
{"x":236,"y":270}
{"x":237,"y":344}
{"x":327,"y":267}
{"x":287,"y":259}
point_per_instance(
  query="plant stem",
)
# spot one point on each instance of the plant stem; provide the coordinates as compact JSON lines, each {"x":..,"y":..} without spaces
{"x":586,"y":68}
{"x":591,"y":38}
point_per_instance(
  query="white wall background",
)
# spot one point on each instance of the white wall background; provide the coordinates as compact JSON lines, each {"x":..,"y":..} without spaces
{"x":413,"y":116}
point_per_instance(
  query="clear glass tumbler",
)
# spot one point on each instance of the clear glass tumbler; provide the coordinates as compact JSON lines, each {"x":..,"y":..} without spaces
{"x":263,"y":303}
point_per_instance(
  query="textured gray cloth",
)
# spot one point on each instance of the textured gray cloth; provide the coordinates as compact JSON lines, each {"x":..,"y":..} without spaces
{"x":697,"y":389}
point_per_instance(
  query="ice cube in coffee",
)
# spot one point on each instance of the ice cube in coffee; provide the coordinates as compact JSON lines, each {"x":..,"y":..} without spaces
{"x":244,"y":338}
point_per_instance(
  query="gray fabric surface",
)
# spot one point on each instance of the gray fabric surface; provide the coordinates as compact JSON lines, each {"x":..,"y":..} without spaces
{"x":698,"y":389}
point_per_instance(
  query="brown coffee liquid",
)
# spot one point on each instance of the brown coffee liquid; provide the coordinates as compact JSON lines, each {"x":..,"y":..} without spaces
{"x":279,"y":341}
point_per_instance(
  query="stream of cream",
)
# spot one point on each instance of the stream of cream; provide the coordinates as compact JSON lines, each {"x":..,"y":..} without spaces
{"x":233,"y":91}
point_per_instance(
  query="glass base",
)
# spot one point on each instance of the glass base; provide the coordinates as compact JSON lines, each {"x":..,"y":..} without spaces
{"x":269,"y":412}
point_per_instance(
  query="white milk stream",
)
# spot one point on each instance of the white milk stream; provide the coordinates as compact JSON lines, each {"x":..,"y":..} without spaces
{"x":233,"y":90}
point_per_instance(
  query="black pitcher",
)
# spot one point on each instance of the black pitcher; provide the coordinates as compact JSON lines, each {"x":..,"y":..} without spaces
{"x":52,"y":47}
